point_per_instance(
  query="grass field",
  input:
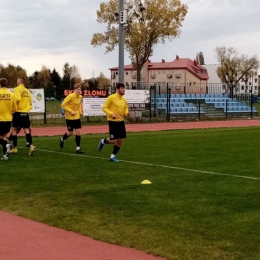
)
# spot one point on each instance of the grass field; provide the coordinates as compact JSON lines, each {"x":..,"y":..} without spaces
{"x":203,"y":202}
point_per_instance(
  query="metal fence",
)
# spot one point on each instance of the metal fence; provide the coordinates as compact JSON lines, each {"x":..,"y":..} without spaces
{"x":169,"y":102}
{"x":165,"y":102}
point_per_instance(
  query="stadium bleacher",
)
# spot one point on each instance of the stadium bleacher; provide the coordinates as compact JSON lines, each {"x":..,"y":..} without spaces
{"x":182,"y":103}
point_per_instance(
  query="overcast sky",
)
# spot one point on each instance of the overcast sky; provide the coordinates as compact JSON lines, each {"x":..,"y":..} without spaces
{"x":51,"y":32}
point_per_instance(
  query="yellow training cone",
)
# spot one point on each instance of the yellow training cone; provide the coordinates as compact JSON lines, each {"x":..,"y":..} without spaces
{"x":146,"y":182}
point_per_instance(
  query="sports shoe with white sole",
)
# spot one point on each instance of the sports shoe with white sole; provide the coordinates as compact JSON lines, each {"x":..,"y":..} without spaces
{"x":61,"y":144}
{"x":113,"y":159}
{"x":100,"y":145}
{"x":79,"y":151}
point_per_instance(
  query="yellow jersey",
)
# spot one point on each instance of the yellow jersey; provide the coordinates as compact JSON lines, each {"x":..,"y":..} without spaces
{"x":23,"y":99}
{"x":115,"y":104}
{"x":7,"y":105}
{"x":72,"y":102}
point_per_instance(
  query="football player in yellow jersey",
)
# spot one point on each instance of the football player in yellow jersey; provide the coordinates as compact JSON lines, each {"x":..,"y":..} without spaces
{"x":7,"y":106}
{"x":21,"y":116}
{"x":116,"y":109}
{"x":72,"y":106}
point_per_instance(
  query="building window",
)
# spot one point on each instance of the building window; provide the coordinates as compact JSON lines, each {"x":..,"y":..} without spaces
{"x":255,"y":87}
{"x":163,"y":71}
{"x":126,"y":73}
{"x":242,"y":87}
{"x":159,"y":71}
{"x":255,"y":80}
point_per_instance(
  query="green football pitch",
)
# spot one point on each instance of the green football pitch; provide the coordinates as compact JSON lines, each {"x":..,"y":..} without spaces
{"x":203,"y":203}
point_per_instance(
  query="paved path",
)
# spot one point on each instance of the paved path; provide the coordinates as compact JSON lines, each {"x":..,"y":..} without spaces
{"x":23,"y":239}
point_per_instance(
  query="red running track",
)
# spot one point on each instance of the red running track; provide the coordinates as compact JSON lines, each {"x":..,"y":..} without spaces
{"x":23,"y":239}
{"x":102,"y":129}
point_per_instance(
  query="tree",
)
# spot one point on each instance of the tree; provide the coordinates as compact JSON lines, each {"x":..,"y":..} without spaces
{"x":66,"y":82}
{"x":34,"y":81}
{"x":160,"y":21}
{"x":200,"y":58}
{"x":44,"y":77}
{"x":233,"y":66}
{"x":11,"y":73}
{"x":70,"y":76}
{"x":55,"y":78}
{"x":103,"y":82}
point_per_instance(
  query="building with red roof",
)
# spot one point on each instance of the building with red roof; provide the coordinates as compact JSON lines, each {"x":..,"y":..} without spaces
{"x":182,"y":71}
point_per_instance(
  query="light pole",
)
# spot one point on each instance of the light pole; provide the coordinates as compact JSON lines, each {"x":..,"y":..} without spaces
{"x":121,"y":42}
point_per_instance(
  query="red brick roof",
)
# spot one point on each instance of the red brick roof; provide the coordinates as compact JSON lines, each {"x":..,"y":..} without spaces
{"x":179,"y":63}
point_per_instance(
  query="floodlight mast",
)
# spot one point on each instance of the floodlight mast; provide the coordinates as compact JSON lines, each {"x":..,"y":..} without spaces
{"x":122,"y":21}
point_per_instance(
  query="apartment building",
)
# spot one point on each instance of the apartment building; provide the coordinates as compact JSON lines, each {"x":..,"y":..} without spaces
{"x":180,"y":71}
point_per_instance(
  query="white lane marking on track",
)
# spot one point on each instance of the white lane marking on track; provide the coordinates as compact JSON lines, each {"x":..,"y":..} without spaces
{"x":156,"y":165}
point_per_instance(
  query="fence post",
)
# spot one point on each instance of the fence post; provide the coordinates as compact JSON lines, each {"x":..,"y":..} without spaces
{"x":155,"y":100}
{"x":168,"y":103}
{"x":44,"y":115}
{"x":199,"y":108}
{"x":226,"y":108}
{"x":150,"y":105}
{"x":251,"y":104}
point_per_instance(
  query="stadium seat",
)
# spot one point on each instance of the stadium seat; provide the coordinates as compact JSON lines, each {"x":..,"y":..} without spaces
{"x":161,"y":100}
{"x":163,"y":96}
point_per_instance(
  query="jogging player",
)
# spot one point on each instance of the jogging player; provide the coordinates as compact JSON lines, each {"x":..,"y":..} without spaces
{"x":7,"y":106}
{"x":116,"y":108}
{"x":21,"y":116}
{"x":72,"y":106}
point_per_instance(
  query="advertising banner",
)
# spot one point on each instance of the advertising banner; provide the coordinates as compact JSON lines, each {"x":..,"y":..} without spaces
{"x":38,"y":103}
{"x":138,"y":100}
{"x":89,"y":93}
{"x":93,"y":106}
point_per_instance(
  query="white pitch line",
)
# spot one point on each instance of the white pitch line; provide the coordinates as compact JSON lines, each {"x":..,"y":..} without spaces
{"x":157,"y":165}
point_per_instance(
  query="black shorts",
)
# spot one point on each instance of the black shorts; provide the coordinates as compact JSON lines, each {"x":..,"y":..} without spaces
{"x":21,"y":120}
{"x":5,"y":128}
{"x":117,"y":130}
{"x":73,"y":124}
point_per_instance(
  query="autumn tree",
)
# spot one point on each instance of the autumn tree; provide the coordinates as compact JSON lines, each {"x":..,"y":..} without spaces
{"x":234,"y":66}
{"x":11,"y":73}
{"x":70,"y":76}
{"x":103,"y":82}
{"x":147,"y":25}
{"x":55,"y":78}
{"x":44,"y":77}
{"x":34,"y":81}
{"x":200,"y":58}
